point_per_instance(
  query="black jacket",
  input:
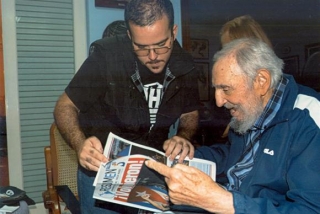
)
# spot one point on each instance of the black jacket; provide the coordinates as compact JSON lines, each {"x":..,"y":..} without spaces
{"x":110,"y":101}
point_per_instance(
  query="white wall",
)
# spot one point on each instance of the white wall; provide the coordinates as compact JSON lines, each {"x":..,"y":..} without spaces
{"x":11,"y":84}
{"x":97,"y":19}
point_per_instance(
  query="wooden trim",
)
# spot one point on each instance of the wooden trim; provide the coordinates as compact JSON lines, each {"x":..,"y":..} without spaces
{"x":111,"y":3}
{"x":185,"y":20}
{"x":2,"y":93}
{"x":55,"y":170}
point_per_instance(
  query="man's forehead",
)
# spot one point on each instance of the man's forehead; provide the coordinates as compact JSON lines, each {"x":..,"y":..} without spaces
{"x":225,"y":71}
{"x":155,"y":43}
{"x":223,"y":66}
{"x":150,"y":35}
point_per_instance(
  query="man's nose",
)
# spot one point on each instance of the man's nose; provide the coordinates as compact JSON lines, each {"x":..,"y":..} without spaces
{"x":220,"y":100}
{"x":152,"y":54}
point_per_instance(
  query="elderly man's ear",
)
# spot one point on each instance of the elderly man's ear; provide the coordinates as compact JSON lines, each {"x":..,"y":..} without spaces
{"x":263,"y":81}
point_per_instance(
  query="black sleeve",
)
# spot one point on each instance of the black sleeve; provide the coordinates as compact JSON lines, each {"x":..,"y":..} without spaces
{"x":192,"y":99}
{"x":88,"y":84}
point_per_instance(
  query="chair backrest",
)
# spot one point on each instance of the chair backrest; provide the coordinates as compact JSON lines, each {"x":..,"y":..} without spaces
{"x":64,"y":161}
{"x":311,"y":71}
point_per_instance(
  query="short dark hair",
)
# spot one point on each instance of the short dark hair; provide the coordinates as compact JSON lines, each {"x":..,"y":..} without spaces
{"x":147,"y":12}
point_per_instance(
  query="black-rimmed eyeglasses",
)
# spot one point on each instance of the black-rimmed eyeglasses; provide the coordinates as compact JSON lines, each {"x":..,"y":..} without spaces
{"x":146,"y":51}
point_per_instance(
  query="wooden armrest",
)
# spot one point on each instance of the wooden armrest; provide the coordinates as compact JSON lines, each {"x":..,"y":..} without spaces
{"x":51,"y":201}
{"x":50,"y":196}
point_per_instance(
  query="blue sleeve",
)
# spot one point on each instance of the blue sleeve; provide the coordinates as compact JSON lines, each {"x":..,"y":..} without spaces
{"x":245,"y":204}
{"x":216,"y":153}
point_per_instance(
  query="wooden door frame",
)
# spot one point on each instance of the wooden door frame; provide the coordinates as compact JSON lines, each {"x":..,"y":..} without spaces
{"x":186,"y":41}
{"x":2,"y":94}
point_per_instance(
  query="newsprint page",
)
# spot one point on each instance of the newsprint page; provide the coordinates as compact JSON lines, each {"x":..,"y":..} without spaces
{"x":126,"y":180}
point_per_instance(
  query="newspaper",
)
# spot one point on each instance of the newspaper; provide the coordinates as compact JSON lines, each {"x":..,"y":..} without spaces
{"x":126,"y":180}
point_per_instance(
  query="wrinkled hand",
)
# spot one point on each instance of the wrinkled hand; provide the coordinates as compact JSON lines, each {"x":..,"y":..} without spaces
{"x":178,"y":146}
{"x":190,"y":186}
{"x":90,"y":155}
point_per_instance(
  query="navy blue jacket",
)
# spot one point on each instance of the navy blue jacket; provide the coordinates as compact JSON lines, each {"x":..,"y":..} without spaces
{"x":286,"y":173}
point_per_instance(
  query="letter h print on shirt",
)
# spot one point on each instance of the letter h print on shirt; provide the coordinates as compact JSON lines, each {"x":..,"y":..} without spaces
{"x":153,"y":94}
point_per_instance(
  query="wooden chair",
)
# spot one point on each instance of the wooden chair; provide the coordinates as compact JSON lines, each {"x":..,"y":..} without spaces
{"x":61,"y":170}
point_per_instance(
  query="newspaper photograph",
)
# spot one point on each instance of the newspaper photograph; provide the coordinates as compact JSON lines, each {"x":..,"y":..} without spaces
{"x":126,"y":180}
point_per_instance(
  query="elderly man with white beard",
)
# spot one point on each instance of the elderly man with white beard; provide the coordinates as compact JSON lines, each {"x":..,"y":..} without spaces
{"x":271,"y":163}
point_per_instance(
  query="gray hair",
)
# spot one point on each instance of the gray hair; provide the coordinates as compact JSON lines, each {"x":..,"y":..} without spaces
{"x":251,"y":55}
